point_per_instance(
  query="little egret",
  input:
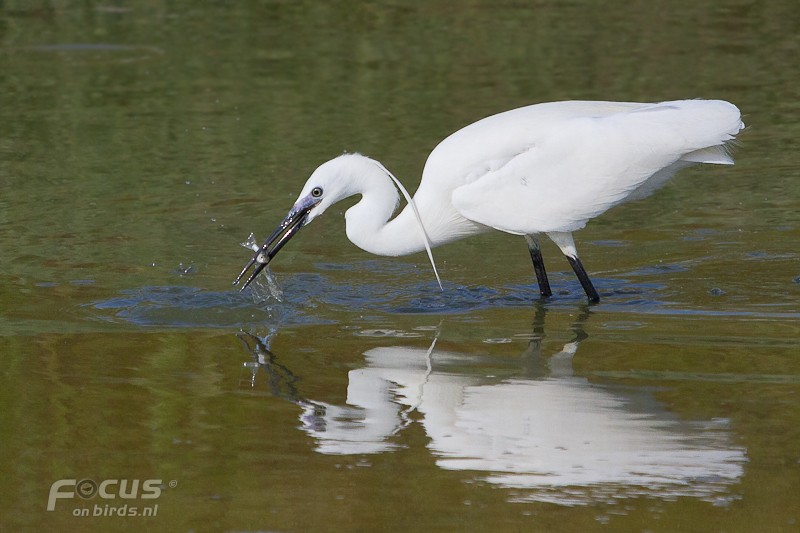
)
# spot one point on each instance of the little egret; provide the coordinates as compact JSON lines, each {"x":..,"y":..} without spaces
{"x":546,"y":168}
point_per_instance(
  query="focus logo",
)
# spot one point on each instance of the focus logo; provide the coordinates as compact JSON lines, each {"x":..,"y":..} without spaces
{"x":109,"y":489}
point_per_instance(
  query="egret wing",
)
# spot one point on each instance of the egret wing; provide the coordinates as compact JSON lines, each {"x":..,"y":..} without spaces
{"x":586,"y":165}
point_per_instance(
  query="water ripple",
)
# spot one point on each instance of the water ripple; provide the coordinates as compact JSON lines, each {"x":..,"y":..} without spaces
{"x":322,"y":297}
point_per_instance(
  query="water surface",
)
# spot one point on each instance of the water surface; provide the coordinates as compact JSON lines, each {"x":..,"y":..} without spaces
{"x":142,"y":143}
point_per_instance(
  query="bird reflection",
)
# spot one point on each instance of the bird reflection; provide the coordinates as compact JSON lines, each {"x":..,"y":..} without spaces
{"x":550,"y":435}
{"x":281,"y":380}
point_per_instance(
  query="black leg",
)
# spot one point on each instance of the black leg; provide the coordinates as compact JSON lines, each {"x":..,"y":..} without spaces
{"x":538,"y":267}
{"x":583,"y":277}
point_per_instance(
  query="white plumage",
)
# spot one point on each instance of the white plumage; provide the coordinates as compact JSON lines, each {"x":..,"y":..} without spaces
{"x":546,"y":168}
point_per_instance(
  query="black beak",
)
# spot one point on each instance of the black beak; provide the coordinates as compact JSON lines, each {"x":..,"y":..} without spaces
{"x":284,"y":232}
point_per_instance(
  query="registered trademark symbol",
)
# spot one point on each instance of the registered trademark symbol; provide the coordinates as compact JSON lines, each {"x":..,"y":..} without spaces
{"x":173,"y":483}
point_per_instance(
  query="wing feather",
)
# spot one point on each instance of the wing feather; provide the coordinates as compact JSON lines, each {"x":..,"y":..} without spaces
{"x":583,"y":165}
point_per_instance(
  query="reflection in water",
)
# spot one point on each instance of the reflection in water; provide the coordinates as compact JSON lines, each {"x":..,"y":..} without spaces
{"x":544,"y":432}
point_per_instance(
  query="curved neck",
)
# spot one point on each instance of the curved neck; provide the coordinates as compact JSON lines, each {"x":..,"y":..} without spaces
{"x":367,"y":223}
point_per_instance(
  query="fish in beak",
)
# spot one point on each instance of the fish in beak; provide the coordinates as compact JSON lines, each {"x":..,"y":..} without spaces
{"x":287,"y":229}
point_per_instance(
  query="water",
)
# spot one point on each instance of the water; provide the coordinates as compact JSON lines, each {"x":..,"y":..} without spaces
{"x":143,"y":143}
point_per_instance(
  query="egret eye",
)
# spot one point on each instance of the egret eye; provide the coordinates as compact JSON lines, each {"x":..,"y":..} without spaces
{"x":316,"y":192}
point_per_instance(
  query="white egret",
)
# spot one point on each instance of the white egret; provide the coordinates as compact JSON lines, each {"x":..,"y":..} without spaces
{"x":546,"y":168}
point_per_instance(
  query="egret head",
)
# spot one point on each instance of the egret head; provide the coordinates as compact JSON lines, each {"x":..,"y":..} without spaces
{"x":330,"y":182}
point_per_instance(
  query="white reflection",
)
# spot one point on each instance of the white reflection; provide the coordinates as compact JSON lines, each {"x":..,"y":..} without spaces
{"x":557,"y":438}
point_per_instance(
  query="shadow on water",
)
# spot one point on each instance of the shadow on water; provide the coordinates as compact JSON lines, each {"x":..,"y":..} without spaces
{"x":529,"y":425}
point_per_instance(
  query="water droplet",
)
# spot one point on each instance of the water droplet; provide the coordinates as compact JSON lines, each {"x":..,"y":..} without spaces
{"x":251,"y":243}
{"x":185,"y":270}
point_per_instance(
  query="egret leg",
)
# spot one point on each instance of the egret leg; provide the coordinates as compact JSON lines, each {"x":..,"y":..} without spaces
{"x":538,"y":266}
{"x":567,"y":245}
{"x":583,"y":277}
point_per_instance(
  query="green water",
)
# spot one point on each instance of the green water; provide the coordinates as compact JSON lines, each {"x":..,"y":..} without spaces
{"x":141,"y":142}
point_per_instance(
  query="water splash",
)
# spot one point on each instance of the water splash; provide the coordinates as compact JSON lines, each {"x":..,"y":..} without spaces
{"x":265,"y":288}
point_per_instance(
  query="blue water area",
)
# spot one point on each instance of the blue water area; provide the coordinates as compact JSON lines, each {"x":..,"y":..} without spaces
{"x":323,"y":297}
{"x":310,"y":298}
